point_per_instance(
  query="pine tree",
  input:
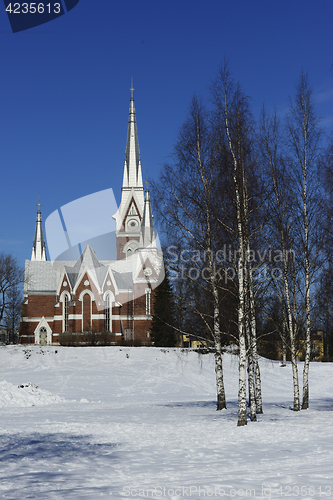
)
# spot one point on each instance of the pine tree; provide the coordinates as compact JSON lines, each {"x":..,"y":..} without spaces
{"x":162,"y":331}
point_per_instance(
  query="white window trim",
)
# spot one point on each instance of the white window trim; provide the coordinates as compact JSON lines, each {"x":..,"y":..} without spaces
{"x":82,"y":294}
{"x":132,"y":245}
{"x":148,"y":301}
{"x":108,"y":296}
{"x":89,"y":292}
{"x":62,"y":300}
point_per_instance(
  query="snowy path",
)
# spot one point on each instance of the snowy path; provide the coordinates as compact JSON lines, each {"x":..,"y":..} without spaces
{"x":127,"y":423}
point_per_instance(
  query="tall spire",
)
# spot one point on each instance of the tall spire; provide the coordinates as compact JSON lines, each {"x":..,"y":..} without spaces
{"x":38,"y":247}
{"x":132,"y":168}
{"x":130,"y":211}
{"x":147,"y":225}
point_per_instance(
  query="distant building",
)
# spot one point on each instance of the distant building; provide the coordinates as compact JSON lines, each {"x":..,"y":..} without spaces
{"x":92,"y":295}
{"x":191,"y":341}
{"x":317,"y":347}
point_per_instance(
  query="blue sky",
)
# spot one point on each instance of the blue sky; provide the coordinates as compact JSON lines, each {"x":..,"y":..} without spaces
{"x":64,"y":96}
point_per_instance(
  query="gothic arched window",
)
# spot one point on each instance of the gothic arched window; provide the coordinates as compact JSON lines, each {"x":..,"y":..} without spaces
{"x":86,"y":313}
{"x":66,"y":304}
{"x":108,"y":322}
{"x":148,"y":307}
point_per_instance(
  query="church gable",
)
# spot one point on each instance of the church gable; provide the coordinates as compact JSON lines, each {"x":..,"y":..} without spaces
{"x":132,"y":209}
{"x":86,"y":283}
{"x":131,"y":212}
{"x":147,"y":271}
{"x":64,"y":284}
{"x":128,"y":236}
{"x":110,"y":284}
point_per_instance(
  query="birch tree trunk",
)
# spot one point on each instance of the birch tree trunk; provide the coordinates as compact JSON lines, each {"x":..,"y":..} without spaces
{"x":188,"y":197}
{"x":221,"y":400}
{"x":235,"y":136}
{"x":250,"y":369}
{"x":304,"y":136}
{"x":242,"y":410}
{"x":252,"y":313}
{"x":305,"y":401}
{"x":270,"y":133}
{"x":284,"y":346}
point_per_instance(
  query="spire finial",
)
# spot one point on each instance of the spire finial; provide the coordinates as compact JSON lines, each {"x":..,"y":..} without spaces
{"x":132,"y":89}
{"x":147,"y":181}
{"x":39,"y":203}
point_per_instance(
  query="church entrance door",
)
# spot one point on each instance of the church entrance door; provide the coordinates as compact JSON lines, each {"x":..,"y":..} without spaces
{"x":42,"y":336}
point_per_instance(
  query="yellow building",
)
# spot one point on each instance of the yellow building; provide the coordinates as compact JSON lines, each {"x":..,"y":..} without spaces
{"x":189,"y":340}
{"x":317,"y":347}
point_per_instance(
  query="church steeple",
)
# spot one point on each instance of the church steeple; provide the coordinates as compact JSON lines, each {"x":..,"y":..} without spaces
{"x":130,"y":212}
{"x":38,"y":246}
{"x":132,"y":167}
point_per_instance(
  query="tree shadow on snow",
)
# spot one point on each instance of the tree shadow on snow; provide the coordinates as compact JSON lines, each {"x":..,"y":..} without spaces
{"x":229,"y":413}
{"x":56,"y":466}
{"x":61,"y":447}
{"x":190,"y":404}
{"x":322,"y":404}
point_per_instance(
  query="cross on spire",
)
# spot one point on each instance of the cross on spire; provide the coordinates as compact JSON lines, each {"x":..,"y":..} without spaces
{"x":147,"y":181}
{"x":132,"y":89}
{"x":39,"y":203}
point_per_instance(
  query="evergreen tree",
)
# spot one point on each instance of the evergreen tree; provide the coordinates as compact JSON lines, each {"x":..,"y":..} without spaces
{"x":162,"y":331}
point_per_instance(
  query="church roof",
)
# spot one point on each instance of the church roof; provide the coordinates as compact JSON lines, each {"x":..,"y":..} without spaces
{"x":124,"y":281}
{"x":44,"y":276}
{"x":87,"y":259}
{"x":40,"y":276}
{"x":87,"y":262}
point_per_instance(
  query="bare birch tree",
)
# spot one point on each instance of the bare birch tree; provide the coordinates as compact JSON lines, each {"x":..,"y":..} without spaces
{"x":186,"y":197}
{"x":325,"y":294}
{"x":281,"y":219}
{"x":234,"y":137}
{"x":304,"y":136}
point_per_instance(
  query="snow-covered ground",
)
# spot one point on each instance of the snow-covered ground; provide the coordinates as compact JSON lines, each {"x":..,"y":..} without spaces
{"x":87,"y":423}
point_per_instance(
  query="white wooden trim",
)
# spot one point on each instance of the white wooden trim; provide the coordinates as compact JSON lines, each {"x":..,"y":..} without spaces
{"x":43,"y":324}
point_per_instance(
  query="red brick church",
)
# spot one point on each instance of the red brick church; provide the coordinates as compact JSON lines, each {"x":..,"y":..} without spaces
{"x":89,"y":294}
